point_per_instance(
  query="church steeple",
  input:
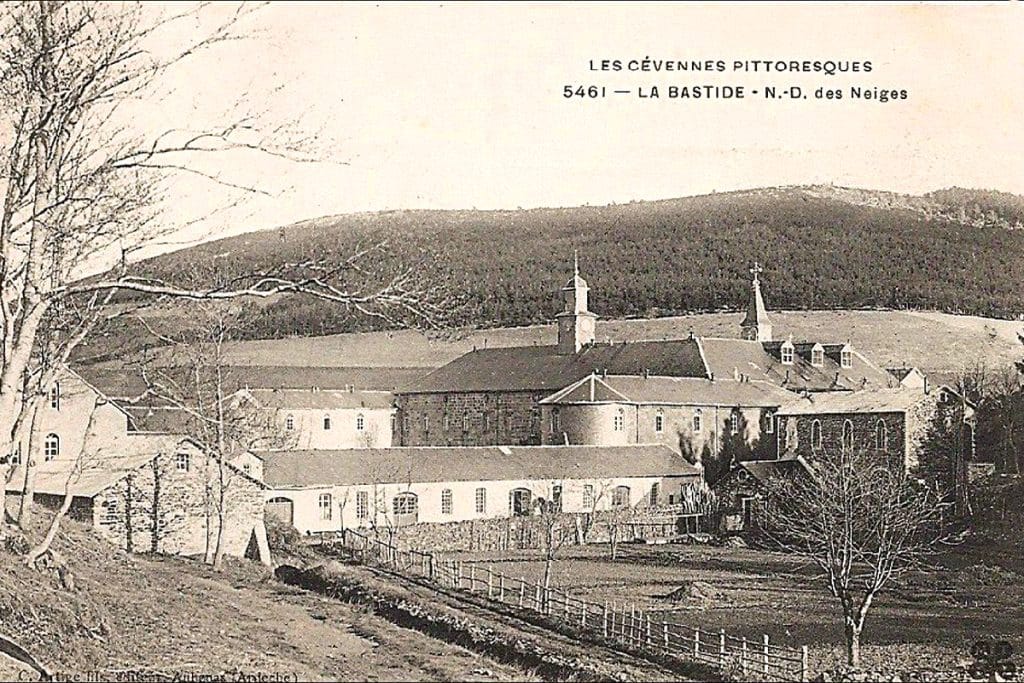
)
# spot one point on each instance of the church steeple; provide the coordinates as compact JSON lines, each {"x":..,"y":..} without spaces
{"x":575,"y":323}
{"x":755,"y":325}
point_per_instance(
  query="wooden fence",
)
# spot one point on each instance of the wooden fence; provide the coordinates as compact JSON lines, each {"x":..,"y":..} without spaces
{"x":617,"y":623}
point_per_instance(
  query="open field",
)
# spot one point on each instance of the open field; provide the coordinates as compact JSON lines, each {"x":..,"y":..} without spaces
{"x":929,"y":621}
{"x":936,"y":342}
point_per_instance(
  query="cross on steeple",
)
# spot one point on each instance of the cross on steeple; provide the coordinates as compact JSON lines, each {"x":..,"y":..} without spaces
{"x":756,"y":270}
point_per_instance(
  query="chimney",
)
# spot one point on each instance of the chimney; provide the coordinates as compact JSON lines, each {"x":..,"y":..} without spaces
{"x":926,"y":387}
{"x":711,"y":376}
{"x":735,"y":373}
{"x":351,"y":388}
{"x":786,"y":381}
{"x":647,"y":373}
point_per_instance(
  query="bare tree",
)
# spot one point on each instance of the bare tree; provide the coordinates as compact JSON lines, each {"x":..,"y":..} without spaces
{"x":192,"y":379}
{"x":861,"y":523}
{"x":84,"y":187}
{"x":554,"y":532}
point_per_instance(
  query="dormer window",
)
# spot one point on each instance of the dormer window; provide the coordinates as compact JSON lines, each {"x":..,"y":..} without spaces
{"x":846,"y":358}
{"x":817,"y":356}
{"x":786,"y":353}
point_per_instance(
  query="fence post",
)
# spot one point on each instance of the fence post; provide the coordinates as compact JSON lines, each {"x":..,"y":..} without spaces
{"x":632,"y":622}
{"x":501,"y":587}
{"x":696,"y":642}
{"x":721,"y":646}
{"x":522,"y":592}
{"x":803,"y":662}
{"x":664,"y":630}
{"x":647,"y":615}
{"x":458,"y":575}
{"x":604,"y":620}
{"x":472,"y":577}
{"x":766,"y":655}
{"x":743,"y":657}
{"x":583,"y":614}
{"x":490,"y":582}
{"x":538,"y":606}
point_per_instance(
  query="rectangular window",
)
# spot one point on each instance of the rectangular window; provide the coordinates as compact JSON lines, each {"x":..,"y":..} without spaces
{"x":619,"y":422}
{"x":55,"y":397}
{"x":659,"y":423}
{"x":181,"y":462}
{"x":327,"y":422}
{"x":247,"y":468}
{"x":769,"y":423}
{"x":446,"y":502}
{"x":326,"y":508}
{"x":846,"y":359}
{"x":481,"y":501}
{"x":362,"y":505}
{"x":588,"y":496}
{"x":556,"y":497}
{"x":655,"y":494}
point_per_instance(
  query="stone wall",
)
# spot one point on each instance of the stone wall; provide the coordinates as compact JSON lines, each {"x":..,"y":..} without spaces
{"x":864,"y":430}
{"x":469,"y":419}
{"x":513,"y":533}
{"x":161,"y":508}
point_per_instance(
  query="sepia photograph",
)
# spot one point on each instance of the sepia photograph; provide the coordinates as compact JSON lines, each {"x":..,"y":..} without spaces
{"x":542,"y":341}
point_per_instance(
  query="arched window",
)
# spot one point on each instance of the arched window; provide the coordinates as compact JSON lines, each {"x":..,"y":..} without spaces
{"x":406,"y":508}
{"x":847,"y":436}
{"x":619,"y":422}
{"x":520,"y":502}
{"x":816,"y":434}
{"x":327,"y":422}
{"x":881,"y":436}
{"x":659,"y":422}
{"x":555,"y":427}
{"x":51,"y":447}
{"x":361,"y":422}
{"x":465,"y":423}
{"x":655,"y":494}
{"x":620,"y":497}
{"x":697,"y":420}
{"x":55,"y":396}
{"x":289,"y":422}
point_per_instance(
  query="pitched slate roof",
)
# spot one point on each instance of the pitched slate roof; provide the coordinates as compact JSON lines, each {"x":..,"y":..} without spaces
{"x":877,"y":401}
{"x":763,"y":470}
{"x":305,"y":469}
{"x":672,"y":391}
{"x":306,"y":399}
{"x":121,"y":380}
{"x":902,"y":372}
{"x":99,"y":470}
{"x":542,"y":368}
{"x":757,"y":360}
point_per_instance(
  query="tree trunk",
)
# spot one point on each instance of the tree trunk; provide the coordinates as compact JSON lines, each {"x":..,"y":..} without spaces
{"x":852,"y":643}
{"x":28,"y":489}
{"x":51,"y":533}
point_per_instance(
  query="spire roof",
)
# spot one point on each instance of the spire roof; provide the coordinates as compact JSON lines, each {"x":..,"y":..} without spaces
{"x":757,"y":314}
{"x":576,"y":282}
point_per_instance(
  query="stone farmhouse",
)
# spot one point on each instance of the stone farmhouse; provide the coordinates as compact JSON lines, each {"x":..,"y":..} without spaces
{"x":319,"y":491}
{"x":497,"y":395}
{"x":143,"y":490}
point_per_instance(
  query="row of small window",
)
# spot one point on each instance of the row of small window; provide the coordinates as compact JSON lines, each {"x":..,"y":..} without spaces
{"x":407,"y":503}
{"x":881,"y":435}
{"x":619,"y":422}
{"x":786,"y":353}
{"x":289,"y":422}
{"x":446,"y":422}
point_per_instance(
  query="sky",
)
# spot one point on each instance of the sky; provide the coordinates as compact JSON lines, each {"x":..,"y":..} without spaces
{"x":438,"y":106}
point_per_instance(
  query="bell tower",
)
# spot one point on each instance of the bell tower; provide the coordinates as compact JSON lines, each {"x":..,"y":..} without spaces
{"x":575,"y":323}
{"x":755,"y":325}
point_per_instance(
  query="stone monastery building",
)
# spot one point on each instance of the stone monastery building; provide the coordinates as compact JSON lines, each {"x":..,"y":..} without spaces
{"x":693,"y":392}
